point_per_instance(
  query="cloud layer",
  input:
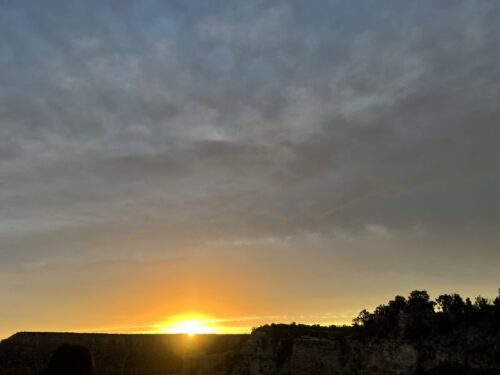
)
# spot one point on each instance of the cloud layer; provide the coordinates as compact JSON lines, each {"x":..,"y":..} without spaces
{"x":161,"y":128}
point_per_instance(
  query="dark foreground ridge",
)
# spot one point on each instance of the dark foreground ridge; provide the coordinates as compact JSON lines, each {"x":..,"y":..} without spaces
{"x":412,"y":335}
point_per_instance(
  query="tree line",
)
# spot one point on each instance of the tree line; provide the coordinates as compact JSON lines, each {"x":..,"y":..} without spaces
{"x":414,"y":317}
{"x":418,"y":316}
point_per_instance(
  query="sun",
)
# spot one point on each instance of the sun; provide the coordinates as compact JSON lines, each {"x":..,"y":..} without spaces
{"x":188,"y":324}
{"x":191,"y":327}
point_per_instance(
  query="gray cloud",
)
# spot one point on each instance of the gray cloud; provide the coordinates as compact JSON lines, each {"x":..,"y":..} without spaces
{"x":246,"y":119}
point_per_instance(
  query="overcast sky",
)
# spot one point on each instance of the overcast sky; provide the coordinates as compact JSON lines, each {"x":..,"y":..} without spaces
{"x":244,"y":158}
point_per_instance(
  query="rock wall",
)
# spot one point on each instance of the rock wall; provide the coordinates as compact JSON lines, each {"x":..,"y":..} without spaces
{"x":463,"y":354}
{"x":345,"y":356}
{"x":27,"y":353}
{"x":259,"y":354}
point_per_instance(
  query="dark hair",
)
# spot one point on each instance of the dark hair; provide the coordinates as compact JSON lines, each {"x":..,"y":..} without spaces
{"x":70,"y":359}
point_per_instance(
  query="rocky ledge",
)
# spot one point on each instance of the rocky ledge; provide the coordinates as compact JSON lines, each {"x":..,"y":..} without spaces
{"x":273,"y":350}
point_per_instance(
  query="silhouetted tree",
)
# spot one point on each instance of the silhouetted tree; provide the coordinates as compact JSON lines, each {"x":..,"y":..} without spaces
{"x":451,"y":303}
{"x":496,"y":301}
{"x":469,"y":307}
{"x":419,"y":302}
{"x":481,"y":303}
{"x":399,"y":304}
{"x":416,"y":318}
{"x":363,"y":318}
{"x":444,"y":302}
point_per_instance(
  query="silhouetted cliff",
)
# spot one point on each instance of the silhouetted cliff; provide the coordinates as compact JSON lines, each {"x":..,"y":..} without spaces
{"x":27,"y":353}
{"x":262,"y":353}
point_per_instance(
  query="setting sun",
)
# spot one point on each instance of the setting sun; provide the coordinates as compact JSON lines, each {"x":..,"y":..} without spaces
{"x":191,"y":327}
{"x":188,"y":324}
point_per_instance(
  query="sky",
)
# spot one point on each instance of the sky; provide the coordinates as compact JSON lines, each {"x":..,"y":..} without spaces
{"x":244,"y":161}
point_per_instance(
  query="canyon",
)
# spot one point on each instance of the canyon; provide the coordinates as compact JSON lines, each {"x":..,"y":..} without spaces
{"x":270,"y":350}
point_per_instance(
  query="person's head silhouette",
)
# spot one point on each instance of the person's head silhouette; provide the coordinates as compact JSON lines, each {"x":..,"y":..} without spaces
{"x":70,"y":359}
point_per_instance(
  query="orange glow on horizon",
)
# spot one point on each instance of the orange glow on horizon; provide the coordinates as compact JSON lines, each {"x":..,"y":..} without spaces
{"x":192,"y":324}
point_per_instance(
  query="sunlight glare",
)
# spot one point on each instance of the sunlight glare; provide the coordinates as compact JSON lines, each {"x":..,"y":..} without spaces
{"x":189,"y":325}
